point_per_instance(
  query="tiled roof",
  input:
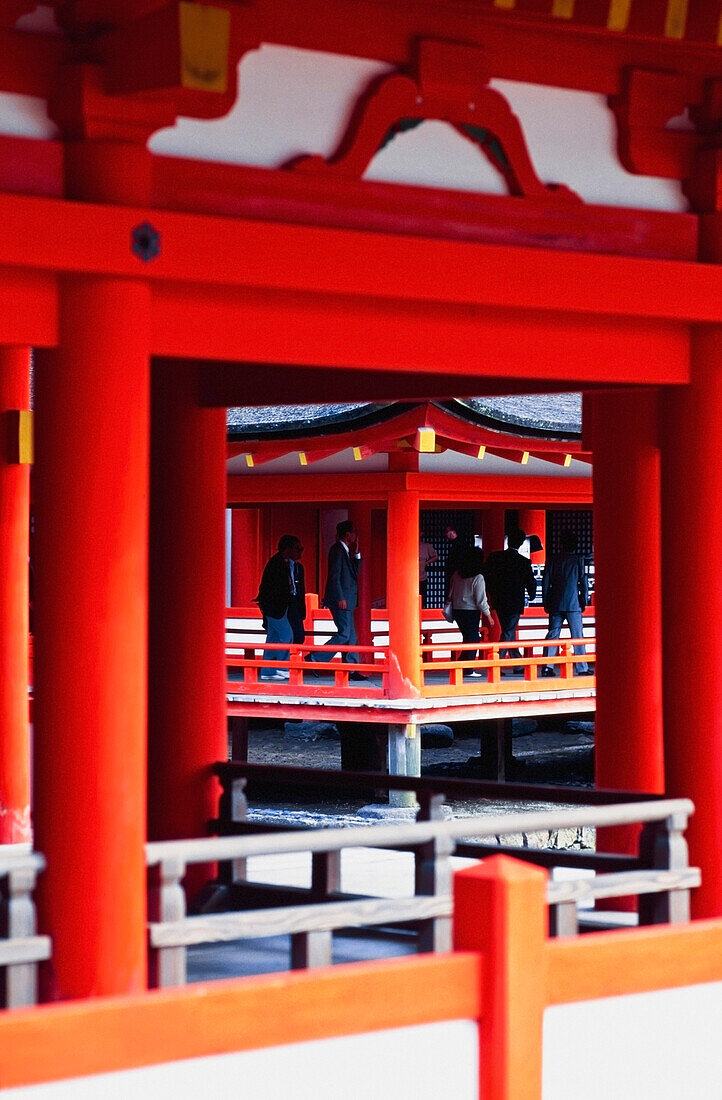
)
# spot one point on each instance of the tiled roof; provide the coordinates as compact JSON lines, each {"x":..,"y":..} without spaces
{"x":556,"y":414}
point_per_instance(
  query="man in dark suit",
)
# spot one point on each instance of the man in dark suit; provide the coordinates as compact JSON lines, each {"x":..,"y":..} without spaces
{"x":508,"y":575}
{"x":565,"y":595}
{"x":341,"y":594}
{"x":282,"y":599}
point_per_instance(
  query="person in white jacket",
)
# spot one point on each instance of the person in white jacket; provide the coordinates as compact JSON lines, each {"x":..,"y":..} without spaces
{"x":467,"y":595}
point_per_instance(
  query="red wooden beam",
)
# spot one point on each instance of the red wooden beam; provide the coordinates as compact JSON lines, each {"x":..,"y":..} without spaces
{"x":523,"y":489}
{"x":70,"y":236}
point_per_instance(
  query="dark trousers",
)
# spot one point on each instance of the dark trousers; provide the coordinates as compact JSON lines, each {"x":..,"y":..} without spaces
{"x":346,"y":628}
{"x":468,"y":624}
{"x":509,"y":623}
{"x":295,"y":618}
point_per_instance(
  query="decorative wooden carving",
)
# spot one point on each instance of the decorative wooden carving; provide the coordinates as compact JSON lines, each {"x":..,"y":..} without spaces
{"x":451,"y":86}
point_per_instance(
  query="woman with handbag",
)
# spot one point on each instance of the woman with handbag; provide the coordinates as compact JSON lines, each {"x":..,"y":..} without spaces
{"x":467,"y":601}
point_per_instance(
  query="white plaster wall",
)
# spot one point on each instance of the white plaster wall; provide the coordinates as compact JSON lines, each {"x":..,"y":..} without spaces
{"x":343,"y":462}
{"x":664,"y":1045}
{"x":447,"y":462}
{"x":298,"y":101}
{"x":413,"y":1063}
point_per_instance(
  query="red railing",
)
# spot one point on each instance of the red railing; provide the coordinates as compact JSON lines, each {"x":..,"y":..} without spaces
{"x":467,"y":673}
{"x":447,"y":664}
{"x":373,"y":663}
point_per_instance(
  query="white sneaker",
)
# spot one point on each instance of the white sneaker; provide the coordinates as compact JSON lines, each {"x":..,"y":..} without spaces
{"x":278,"y":675}
{"x":475,"y":675}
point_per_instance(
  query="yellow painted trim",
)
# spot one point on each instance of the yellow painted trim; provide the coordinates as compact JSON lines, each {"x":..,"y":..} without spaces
{"x":302,"y":458}
{"x":425,"y":440}
{"x":567,"y":460}
{"x":509,"y":4}
{"x":249,"y":461}
{"x":563,"y":9}
{"x":675,"y":23}
{"x":26,"y":442}
{"x":357,"y":454}
{"x":524,"y":458}
{"x":482,"y":451}
{"x":618,"y":17}
{"x":719,"y":32}
{"x":205,"y":33}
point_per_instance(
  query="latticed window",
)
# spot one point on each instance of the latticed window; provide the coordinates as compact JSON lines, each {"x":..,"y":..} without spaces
{"x":432,"y":525}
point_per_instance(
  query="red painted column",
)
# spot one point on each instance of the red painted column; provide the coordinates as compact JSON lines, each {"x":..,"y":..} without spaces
{"x":186,"y":698}
{"x":623,"y":431}
{"x":91,"y":540}
{"x":245,"y":555}
{"x":692,"y":602}
{"x":494,"y":529}
{"x":14,"y":548}
{"x":533,"y":521}
{"x":402,"y":588}
{"x":361,"y":513}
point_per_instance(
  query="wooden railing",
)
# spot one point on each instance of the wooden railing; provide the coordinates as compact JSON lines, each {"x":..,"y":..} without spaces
{"x":21,"y":949}
{"x":311,"y":926}
{"x":484,"y":674}
{"x":447,"y":663}
{"x":373,"y":662}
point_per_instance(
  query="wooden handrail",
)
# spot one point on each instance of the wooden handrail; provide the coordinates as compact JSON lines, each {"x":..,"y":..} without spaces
{"x":495,"y":790}
{"x":310,"y":926}
{"x":208,"y":849}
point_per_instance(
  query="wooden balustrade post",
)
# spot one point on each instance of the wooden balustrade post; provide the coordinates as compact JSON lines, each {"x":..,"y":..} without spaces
{"x":311,"y":949}
{"x":19,"y":981}
{"x":432,"y":874}
{"x":662,"y":846}
{"x":166,"y":902}
{"x":500,"y":911}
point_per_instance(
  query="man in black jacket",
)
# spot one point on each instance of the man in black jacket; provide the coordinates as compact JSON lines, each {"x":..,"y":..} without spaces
{"x":341,"y":595}
{"x":282,"y":599}
{"x":508,"y":575}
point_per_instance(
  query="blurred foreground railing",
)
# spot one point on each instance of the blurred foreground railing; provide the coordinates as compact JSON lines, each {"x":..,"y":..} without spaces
{"x":311,"y":926}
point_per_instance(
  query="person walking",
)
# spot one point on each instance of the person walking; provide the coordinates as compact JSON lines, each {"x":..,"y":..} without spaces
{"x":341,"y":595}
{"x":565,"y":595}
{"x":281,"y":582}
{"x":467,"y":595}
{"x":509,"y":576}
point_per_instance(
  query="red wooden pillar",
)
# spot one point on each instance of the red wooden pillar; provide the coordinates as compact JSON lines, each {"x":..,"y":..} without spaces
{"x":494,"y":529}
{"x":692,"y":603}
{"x":362,"y":518}
{"x":186,"y":699}
{"x":91,"y":577}
{"x":403,"y":601}
{"x":623,"y":431}
{"x":245,"y":555}
{"x":14,"y":530}
{"x":533,"y":521}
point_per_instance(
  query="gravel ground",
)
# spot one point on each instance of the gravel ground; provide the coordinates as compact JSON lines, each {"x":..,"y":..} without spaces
{"x":563,"y":755}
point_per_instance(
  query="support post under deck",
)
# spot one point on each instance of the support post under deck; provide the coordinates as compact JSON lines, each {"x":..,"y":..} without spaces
{"x":404,"y":759}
